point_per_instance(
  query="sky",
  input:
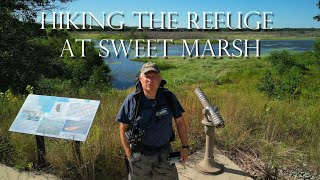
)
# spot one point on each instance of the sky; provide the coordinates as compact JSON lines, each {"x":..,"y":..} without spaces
{"x":287,"y":13}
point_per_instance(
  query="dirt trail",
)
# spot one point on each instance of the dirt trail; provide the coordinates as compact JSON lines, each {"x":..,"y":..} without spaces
{"x":8,"y":173}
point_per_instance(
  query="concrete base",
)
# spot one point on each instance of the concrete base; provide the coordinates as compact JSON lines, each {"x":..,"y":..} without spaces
{"x":206,"y":166}
{"x":230,"y":171}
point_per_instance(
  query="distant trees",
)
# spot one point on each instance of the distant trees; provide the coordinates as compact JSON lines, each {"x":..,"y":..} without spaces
{"x":30,"y":56}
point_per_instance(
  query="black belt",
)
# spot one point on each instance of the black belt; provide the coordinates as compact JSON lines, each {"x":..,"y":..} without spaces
{"x":152,"y":150}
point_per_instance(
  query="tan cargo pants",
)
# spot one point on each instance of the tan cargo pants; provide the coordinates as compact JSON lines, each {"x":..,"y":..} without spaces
{"x":153,"y":167}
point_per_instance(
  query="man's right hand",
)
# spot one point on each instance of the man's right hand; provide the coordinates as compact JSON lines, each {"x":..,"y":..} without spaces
{"x":128,"y":153}
{"x":123,"y":128}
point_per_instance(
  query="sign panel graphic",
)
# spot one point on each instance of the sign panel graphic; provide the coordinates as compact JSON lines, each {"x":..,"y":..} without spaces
{"x":59,"y":117}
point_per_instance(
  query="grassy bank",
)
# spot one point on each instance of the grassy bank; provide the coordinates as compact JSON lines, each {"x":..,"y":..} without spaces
{"x":280,"y":132}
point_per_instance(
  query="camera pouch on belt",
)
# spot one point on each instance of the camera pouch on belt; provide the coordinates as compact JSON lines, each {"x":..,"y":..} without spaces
{"x":135,"y":135}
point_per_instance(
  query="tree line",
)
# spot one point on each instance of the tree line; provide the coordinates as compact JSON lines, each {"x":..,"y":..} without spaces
{"x":30,"y":56}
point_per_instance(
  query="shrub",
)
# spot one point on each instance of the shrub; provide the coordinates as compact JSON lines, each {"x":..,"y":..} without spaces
{"x":69,"y":74}
{"x":284,"y":60}
{"x":267,"y":84}
{"x":283,"y":79}
{"x":317,"y":48}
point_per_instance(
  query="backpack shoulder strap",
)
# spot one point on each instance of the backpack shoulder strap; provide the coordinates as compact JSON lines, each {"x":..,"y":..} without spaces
{"x":168,"y":96}
{"x":138,"y":98}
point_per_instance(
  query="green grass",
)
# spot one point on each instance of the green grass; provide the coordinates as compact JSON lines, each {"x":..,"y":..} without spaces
{"x":212,"y":35}
{"x":96,"y":35}
{"x":279,"y":131}
{"x":107,"y":35}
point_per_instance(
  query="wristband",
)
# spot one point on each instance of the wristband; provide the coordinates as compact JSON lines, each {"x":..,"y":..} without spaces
{"x":185,"y":146}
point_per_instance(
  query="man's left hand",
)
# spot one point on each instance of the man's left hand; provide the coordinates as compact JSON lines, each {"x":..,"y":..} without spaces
{"x":184,"y":153}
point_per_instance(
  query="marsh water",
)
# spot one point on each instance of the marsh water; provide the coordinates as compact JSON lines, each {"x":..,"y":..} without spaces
{"x":124,"y":70}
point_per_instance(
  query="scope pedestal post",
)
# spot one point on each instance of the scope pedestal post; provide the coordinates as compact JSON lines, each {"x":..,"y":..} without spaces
{"x":208,"y":164}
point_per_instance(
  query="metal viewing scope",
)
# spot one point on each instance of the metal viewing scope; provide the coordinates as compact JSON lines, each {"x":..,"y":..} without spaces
{"x":211,"y":120}
{"x":210,"y":111}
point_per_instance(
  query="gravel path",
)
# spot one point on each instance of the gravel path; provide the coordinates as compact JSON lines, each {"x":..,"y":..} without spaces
{"x":8,"y":173}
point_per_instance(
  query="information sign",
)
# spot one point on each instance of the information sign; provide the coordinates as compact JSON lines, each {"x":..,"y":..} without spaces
{"x":58,"y":117}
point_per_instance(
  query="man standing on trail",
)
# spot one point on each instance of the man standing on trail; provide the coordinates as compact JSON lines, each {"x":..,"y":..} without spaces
{"x":146,"y":127}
